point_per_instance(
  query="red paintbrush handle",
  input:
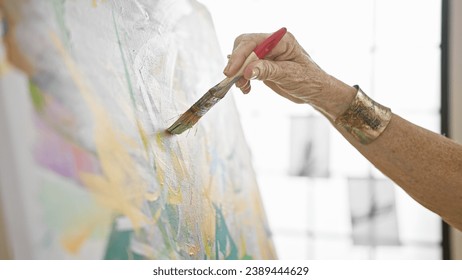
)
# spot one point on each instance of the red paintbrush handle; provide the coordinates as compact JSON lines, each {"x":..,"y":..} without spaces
{"x":266,"y":46}
{"x":259,"y":52}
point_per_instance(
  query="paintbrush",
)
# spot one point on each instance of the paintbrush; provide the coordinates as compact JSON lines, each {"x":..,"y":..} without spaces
{"x":215,"y":94}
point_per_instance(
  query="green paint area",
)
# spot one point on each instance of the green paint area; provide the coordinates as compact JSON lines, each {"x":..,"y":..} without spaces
{"x":224,"y":243}
{"x":173,"y":217}
{"x":37,"y":96}
{"x":118,"y":246}
{"x":167,"y":245}
{"x":167,"y":224}
{"x":144,"y":137}
{"x":247,"y":257}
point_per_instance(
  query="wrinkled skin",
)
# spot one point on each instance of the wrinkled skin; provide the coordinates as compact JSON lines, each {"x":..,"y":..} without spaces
{"x":289,"y":71}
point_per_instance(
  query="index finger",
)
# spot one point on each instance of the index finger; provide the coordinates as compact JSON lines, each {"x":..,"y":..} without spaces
{"x":243,"y":47}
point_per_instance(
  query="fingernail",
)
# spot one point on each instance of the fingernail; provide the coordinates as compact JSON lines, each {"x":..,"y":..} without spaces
{"x":255,"y":73}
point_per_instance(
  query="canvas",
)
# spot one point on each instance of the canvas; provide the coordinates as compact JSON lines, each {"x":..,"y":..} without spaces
{"x":87,"y":169}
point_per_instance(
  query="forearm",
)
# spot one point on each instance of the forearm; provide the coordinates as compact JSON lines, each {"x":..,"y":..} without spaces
{"x":426,"y":165}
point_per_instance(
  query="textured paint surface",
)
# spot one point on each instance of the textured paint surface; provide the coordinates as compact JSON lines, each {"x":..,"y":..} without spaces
{"x":109,"y":77}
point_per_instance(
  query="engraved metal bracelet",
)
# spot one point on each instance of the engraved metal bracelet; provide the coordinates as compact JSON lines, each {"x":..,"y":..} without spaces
{"x":365,"y":119}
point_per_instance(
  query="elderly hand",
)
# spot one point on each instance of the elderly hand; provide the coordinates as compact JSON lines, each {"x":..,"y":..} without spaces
{"x":290,"y":72}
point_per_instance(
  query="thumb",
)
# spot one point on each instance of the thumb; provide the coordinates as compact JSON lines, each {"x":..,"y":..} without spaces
{"x":264,"y":70}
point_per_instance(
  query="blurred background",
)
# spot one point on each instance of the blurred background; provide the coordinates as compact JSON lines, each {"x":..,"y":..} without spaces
{"x":323,"y":199}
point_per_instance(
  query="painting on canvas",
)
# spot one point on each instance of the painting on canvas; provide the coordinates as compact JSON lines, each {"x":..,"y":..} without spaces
{"x":98,"y":82}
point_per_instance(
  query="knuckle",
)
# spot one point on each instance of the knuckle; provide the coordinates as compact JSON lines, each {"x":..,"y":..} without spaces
{"x":271,"y":71}
{"x":290,"y":36}
{"x":245,"y":39}
{"x":241,"y":38}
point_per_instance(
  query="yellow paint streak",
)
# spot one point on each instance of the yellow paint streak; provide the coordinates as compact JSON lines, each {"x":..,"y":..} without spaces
{"x":207,"y":194}
{"x":5,"y":67}
{"x":143,"y":136}
{"x":160,"y":171}
{"x":243,"y":246}
{"x":119,"y":188}
{"x":174,"y":197}
{"x":73,"y":242}
{"x":160,"y":165}
{"x":156,"y":216}
{"x":208,"y":231}
{"x":152,"y":196}
{"x":239,"y":203}
{"x":160,"y":143}
{"x":208,"y":220}
{"x":178,"y":166}
{"x":265,"y":244}
{"x":94,"y":3}
{"x":115,"y":197}
{"x":75,"y":236}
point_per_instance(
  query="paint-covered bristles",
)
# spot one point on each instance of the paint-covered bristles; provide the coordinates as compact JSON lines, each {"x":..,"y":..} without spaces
{"x":185,"y":122}
{"x":193,"y":114}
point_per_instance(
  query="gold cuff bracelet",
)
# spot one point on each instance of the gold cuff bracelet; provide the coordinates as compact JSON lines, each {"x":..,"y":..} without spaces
{"x":365,"y":119}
